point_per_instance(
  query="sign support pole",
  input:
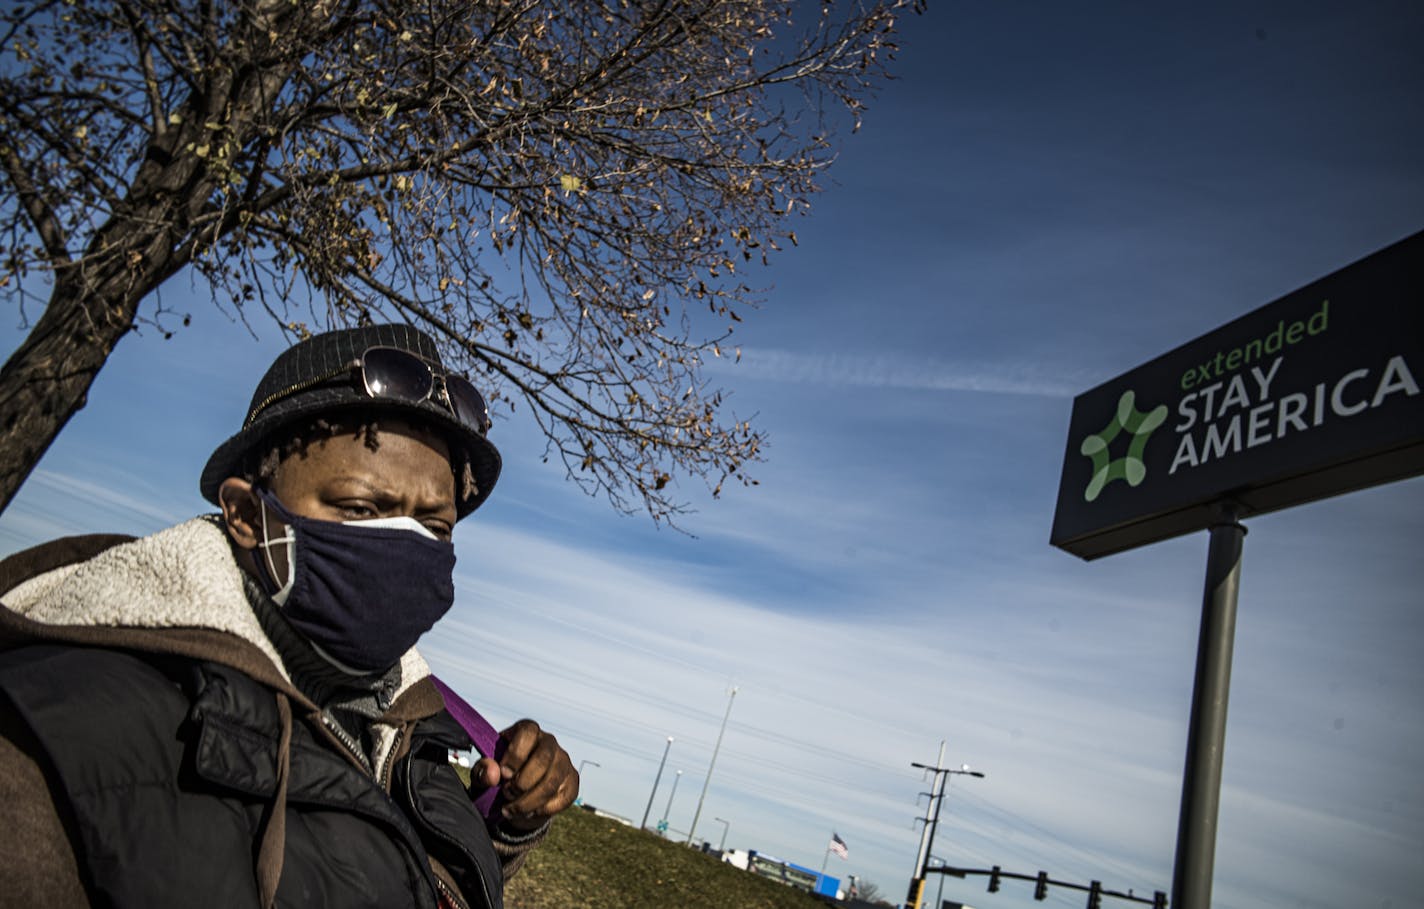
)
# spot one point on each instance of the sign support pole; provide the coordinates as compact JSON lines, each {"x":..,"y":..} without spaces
{"x":1206,"y":737}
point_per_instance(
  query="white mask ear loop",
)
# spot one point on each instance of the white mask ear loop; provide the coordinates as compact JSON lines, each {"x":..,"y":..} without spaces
{"x":280,"y":597}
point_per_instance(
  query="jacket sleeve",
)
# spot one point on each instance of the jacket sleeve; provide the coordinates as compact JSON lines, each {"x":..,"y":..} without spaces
{"x":37,"y":859}
{"x":513,"y":848}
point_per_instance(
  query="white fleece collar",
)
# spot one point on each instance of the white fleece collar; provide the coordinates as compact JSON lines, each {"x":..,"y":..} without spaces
{"x":182,"y":577}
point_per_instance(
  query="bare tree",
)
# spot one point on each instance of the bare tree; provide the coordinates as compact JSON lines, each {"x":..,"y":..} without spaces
{"x":566,"y":194}
{"x":868,"y":891}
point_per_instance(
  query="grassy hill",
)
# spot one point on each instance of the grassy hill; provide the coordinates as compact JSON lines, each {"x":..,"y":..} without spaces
{"x":589,"y":862}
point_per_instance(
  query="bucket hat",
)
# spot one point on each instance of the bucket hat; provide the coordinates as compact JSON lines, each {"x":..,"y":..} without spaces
{"x":318,"y":377}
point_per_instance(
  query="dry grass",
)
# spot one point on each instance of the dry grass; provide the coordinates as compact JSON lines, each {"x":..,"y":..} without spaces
{"x":589,"y":862}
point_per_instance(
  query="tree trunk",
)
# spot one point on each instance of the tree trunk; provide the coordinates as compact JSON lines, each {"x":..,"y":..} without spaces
{"x":46,"y":380}
{"x":96,"y":298}
{"x":93,"y":304}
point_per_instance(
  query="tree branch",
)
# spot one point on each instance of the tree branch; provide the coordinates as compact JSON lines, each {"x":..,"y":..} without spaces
{"x":40,"y":213}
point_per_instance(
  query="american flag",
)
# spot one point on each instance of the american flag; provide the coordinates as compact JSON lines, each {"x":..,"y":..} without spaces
{"x":838,"y":846}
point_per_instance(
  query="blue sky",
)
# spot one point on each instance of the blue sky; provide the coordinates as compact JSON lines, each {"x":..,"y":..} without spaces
{"x":1050,"y":195}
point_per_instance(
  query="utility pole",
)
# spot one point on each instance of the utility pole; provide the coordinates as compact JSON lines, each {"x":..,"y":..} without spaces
{"x":917,"y":879}
{"x":708,"y":781}
{"x":927,"y":835}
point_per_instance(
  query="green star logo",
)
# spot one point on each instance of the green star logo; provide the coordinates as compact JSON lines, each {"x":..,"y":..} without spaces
{"x":1129,"y":467}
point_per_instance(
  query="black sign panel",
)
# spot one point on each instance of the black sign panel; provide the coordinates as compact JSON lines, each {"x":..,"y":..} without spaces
{"x":1315,"y":394}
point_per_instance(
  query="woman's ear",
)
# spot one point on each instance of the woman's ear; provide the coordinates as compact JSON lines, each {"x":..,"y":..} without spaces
{"x":240,"y":507}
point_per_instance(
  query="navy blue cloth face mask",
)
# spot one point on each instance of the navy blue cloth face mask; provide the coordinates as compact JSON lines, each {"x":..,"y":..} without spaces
{"x":362,"y":592}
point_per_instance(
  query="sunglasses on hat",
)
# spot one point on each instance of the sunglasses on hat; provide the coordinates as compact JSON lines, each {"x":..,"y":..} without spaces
{"x":392,"y":374}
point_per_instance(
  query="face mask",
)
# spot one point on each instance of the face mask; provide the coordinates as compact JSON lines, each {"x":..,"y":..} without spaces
{"x":362,"y":592}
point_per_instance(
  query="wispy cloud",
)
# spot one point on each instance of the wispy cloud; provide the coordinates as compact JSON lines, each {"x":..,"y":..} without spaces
{"x":901,"y":371}
{"x":107,"y":498}
{"x":832,"y":707}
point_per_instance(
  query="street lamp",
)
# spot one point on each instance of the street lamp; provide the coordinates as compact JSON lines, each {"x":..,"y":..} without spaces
{"x":675,"y":781}
{"x":942,"y":775}
{"x":657,"y":779}
{"x":579,"y":800}
{"x":726,"y":825}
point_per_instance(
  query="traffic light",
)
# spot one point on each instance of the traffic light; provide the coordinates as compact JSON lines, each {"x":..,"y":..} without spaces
{"x":994,"y":880}
{"x":1095,"y":895}
{"x":1040,"y":889}
{"x":1159,"y":900}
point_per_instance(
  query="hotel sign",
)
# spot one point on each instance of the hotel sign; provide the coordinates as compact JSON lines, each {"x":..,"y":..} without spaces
{"x":1313,"y":395}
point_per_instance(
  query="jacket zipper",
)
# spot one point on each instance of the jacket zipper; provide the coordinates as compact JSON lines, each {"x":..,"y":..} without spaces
{"x":449,"y":894}
{"x":346,"y":741}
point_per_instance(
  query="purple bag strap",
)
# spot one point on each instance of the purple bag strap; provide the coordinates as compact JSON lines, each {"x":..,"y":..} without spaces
{"x":486,"y":739}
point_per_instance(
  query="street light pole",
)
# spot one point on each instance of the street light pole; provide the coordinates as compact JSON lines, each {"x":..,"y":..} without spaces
{"x":939,"y":897}
{"x":942,"y":774}
{"x":657,"y":779}
{"x":715,"y":748}
{"x":727,"y":825}
{"x":675,"y":781}
{"x":923,"y":856}
{"x":579,"y":800}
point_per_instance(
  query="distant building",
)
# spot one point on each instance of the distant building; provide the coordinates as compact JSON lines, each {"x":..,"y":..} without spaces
{"x":599,"y":812}
{"x":791,"y":874}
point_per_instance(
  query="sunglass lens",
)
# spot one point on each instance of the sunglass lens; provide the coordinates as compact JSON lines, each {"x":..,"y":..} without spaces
{"x":468,"y":404}
{"x":393,"y":373}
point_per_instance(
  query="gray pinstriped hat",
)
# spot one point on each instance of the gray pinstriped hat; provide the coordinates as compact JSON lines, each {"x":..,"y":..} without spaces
{"x":306,"y":382}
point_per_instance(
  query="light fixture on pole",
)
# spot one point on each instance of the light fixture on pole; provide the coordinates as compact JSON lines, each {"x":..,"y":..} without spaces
{"x":945,"y":773}
{"x":579,"y":799}
{"x":942,"y":774}
{"x":917,"y":878}
{"x":715,"y":748}
{"x":657,"y":779}
{"x":727,"y":825}
{"x":668,"y":809}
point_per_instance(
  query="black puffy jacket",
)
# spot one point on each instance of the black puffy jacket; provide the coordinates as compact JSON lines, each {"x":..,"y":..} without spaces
{"x":186,"y":780}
